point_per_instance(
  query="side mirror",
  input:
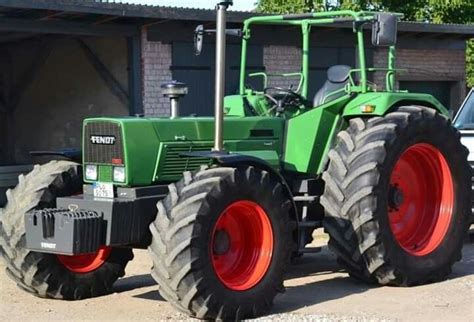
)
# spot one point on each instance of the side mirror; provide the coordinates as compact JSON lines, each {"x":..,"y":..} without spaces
{"x":384,"y":30}
{"x":199,"y":36}
{"x":198,"y":39}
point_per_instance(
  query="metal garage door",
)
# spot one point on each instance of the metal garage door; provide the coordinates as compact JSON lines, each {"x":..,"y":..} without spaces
{"x":440,"y":90}
{"x":198,"y":73}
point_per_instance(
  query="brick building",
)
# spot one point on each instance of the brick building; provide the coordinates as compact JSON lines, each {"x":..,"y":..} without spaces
{"x":432,"y":55}
{"x":62,"y":61}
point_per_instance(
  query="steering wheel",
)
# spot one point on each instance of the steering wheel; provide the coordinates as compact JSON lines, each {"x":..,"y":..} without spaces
{"x":286,"y":97}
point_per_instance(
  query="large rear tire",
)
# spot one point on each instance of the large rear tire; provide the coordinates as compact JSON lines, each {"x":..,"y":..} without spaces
{"x":221,"y":243}
{"x":397,"y":197}
{"x":47,"y":275}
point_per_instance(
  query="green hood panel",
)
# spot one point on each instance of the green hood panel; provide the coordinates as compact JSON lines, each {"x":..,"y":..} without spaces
{"x":202,"y":128}
{"x":152,"y":146}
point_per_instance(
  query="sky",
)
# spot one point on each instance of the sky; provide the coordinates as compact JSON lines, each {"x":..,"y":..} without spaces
{"x":207,"y":4}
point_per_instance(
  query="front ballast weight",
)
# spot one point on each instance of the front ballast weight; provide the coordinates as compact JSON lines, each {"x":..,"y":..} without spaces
{"x":82,"y":224}
{"x":64,"y":232}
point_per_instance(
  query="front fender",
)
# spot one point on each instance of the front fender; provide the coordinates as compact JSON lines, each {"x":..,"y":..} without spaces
{"x":225,"y":159}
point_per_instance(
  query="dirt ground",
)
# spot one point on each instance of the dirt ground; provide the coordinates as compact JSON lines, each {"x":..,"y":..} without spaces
{"x":316,"y":291}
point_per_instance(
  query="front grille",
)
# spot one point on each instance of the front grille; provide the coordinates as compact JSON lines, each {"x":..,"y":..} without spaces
{"x":174,"y":165}
{"x":105,"y":173}
{"x":103,"y":153}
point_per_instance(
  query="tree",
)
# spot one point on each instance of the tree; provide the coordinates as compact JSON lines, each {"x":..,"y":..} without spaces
{"x":434,"y":11}
{"x":290,"y":6}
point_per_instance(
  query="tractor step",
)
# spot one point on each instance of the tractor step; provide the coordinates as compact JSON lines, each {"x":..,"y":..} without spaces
{"x":310,"y":224}
{"x":309,"y":250}
{"x":306,"y":198}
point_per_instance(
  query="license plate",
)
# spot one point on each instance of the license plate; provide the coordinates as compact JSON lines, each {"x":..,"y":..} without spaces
{"x":103,"y":190}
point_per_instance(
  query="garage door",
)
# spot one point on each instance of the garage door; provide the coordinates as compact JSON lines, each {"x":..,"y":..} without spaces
{"x":440,"y":90}
{"x":198,"y":73}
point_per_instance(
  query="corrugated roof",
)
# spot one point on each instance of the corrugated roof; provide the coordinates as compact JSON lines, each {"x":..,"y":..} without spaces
{"x":169,"y":4}
{"x":123,"y":9}
{"x":128,"y":10}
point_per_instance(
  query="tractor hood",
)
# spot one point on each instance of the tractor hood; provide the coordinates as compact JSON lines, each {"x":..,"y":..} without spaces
{"x":149,"y":148}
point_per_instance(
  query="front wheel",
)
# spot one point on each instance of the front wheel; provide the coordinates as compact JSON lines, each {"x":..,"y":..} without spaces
{"x":47,"y":275}
{"x":221,"y":243}
{"x":397,"y":197}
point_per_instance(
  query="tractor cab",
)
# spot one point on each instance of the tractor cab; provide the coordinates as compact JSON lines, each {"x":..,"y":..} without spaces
{"x":343,"y":82}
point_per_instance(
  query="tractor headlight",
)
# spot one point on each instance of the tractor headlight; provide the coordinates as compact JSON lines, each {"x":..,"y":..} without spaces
{"x":119,"y":174}
{"x":91,"y":172}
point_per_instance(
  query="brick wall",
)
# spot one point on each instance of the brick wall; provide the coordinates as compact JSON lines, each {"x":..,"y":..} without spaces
{"x":156,"y":62}
{"x":428,"y":65}
{"x":422,"y":65}
{"x":425,"y":64}
{"x":281,"y":59}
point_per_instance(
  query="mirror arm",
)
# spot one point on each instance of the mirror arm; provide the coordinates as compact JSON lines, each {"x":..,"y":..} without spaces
{"x":229,"y":32}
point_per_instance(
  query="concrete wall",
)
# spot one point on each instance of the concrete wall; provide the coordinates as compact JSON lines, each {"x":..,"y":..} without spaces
{"x":65,"y":90}
{"x":156,"y":60}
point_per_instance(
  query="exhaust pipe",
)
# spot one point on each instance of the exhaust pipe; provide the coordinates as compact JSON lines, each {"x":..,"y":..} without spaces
{"x":220,"y":73}
{"x":174,"y":91}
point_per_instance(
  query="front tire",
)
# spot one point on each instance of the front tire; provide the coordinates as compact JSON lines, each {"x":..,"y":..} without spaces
{"x":397,"y":197}
{"x":47,"y":275}
{"x":221,"y":243}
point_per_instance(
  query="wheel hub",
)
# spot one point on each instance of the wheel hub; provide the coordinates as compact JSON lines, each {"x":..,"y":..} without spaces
{"x":420,"y":199}
{"x":221,"y":242}
{"x":242,"y":245}
{"x":396,"y":197}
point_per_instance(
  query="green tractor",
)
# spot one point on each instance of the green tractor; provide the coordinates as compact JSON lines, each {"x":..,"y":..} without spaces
{"x":223,"y":203}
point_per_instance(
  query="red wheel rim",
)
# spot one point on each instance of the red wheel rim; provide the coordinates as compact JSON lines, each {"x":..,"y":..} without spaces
{"x":85,"y":263}
{"x":242,"y":245}
{"x":421,"y":199}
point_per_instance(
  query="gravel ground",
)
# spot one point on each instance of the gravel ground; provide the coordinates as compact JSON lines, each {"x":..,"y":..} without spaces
{"x":316,"y":291}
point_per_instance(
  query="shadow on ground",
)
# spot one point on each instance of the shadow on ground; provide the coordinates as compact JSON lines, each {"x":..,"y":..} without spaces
{"x":319,"y":288}
{"x":326,"y":289}
{"x":134,"y":282}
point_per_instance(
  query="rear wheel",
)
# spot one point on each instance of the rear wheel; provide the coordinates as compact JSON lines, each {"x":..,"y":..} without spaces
{"x":397,"y":197}
{"x":221,"y":243}
{"x":47,"y":275}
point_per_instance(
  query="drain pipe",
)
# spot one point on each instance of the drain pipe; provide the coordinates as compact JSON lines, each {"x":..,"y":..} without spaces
{"x":220,"y":73}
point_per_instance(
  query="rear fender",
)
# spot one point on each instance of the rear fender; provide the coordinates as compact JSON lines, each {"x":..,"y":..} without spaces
{"x":385,"y":101}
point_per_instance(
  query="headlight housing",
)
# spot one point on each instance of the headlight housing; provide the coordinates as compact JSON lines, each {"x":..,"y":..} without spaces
{"x":119,"y":174}
{"x":91,"y":172}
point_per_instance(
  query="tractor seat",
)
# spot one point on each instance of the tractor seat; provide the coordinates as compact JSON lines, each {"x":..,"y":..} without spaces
{"x":338,"y":77}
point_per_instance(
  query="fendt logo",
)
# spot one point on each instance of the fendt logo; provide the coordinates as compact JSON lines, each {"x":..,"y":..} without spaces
{"x":103,"y":139}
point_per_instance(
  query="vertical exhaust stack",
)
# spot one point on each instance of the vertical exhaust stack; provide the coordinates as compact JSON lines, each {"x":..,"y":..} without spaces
{"x":220,"y":73}
{"x":174,"y":91}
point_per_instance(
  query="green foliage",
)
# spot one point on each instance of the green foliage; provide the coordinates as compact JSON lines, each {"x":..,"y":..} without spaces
{"x":290,"y":6}
{"x":470,"y":63}
{"x":434,"y":11}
